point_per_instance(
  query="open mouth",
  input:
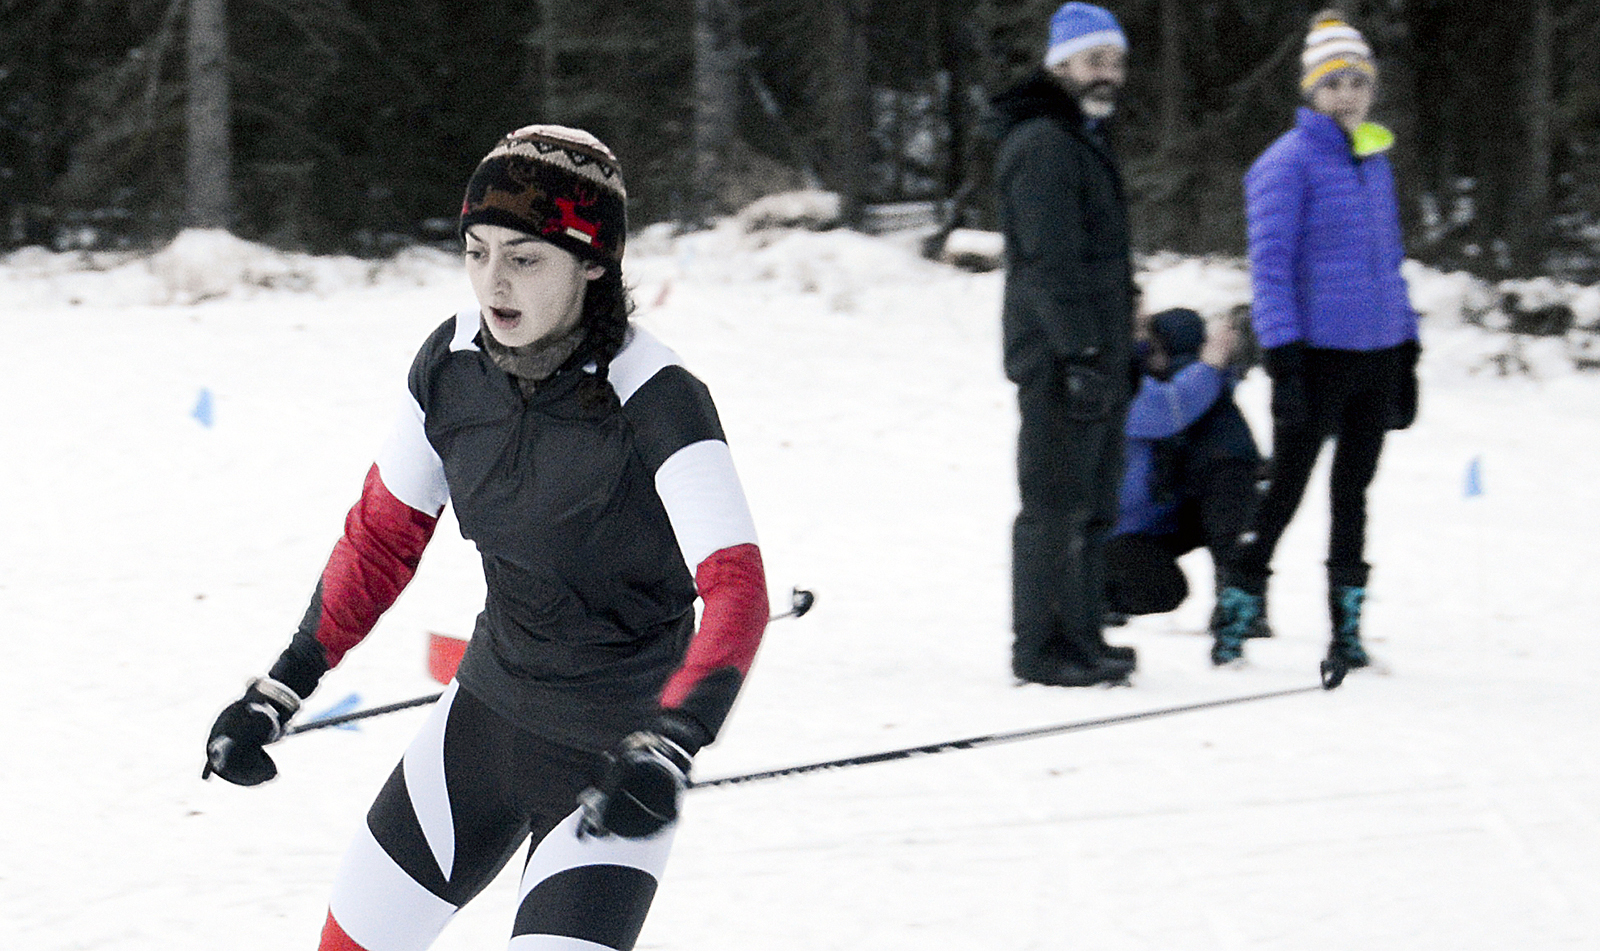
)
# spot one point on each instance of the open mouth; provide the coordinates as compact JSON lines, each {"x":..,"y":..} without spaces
{"x":504,"y":316}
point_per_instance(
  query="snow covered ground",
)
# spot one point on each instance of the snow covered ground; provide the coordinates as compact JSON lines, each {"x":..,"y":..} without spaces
{"x":151,"y":562}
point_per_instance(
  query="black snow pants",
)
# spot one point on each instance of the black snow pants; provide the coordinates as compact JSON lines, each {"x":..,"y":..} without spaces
{"x":1068,"y":472}
{"x":1349,"y":396}
{"x":1216,"y":498}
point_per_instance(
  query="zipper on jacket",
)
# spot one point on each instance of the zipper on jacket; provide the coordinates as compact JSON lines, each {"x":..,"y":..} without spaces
{"x":1374,"y":264}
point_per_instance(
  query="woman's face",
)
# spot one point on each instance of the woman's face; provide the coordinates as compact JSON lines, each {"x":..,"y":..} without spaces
{"x":1345,"y":96}
{"x":528,"y":289}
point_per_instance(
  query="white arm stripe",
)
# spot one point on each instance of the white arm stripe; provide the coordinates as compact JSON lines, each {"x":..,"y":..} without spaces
{"x":410,"y":469}
{"x":704,"y":500}
{"x":640,"y":359}
{"x":467,"y":324}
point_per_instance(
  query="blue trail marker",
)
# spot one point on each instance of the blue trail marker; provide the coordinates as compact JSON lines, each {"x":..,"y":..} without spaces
{"x":204,"y":408}
{"x":1474,"y":485}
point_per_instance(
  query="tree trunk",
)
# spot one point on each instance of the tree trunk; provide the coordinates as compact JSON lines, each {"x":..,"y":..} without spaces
{"x":954,"y":65}
{"x":717,"y":67}
{"x":849,"y":107}
{"x":1533,"y":218}
{"x":1173,"y":81}
{"x":208,"y":166}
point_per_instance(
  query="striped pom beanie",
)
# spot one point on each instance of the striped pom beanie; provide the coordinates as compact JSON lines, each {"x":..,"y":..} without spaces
{"x":1076,"y":27}
{"x":1331,"y":45}
{"x":560,"y":184}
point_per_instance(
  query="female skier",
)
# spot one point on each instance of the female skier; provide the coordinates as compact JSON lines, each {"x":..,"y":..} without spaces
{"x":1338,"y":332}
{"x":590,"y":469}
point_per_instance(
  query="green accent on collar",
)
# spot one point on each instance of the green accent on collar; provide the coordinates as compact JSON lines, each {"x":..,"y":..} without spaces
{"x":1370,"y":138}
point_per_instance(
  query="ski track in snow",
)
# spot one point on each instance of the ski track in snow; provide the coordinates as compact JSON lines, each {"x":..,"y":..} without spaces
{"x":152,"y":564}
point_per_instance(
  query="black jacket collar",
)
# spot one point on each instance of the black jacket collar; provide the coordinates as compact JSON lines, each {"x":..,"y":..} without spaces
{"x":1037,"y":96}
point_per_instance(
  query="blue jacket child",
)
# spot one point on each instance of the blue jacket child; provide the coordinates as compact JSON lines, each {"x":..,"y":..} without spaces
{"x":1191,"y":468}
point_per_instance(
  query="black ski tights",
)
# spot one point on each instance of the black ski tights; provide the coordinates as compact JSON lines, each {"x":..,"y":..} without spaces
{"x":1349,"y":393}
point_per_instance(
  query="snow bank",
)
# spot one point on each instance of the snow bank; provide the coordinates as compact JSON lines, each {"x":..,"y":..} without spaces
{"x":1212,"y":286}
{"x":784,"y":244}
{"x":810,"y":209}
{"x":1446,"y":297}
{"x":200,"y":265}
{"x":839,"y":267}
{"x":974,"y":250}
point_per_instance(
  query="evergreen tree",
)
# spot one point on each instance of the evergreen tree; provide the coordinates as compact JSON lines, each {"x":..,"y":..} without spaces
{"x":351,"y":124}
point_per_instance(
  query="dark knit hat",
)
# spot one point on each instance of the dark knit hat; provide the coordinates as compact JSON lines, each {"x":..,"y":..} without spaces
{"x":558,"y":183}
{"x":1181,"y":332}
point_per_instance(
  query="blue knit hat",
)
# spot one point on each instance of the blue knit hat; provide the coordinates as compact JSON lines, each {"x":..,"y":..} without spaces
{"x":1080,"y":26}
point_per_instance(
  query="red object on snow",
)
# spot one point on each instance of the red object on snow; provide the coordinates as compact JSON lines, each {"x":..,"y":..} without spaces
{"x":444,"y":656}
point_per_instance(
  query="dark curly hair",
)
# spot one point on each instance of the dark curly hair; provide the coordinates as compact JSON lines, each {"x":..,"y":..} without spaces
{"x":606,"y":309}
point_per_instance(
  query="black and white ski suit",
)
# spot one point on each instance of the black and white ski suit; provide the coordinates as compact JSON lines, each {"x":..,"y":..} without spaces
{"x":601,"y":513}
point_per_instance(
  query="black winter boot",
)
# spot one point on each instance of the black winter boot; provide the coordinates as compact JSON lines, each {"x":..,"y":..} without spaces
{"x":1344,"y":607}
{"x":1117,"y":653}
{"x":1062,"y":672}
{"x":1241,"y":609}
{"x":1257,"y":628}
{"x":1236,"y":611}
{"x":1063,"y":664}
{"x":1065,"y":661}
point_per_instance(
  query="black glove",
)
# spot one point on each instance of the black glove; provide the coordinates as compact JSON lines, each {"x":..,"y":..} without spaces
{"x":1403,"y":411}
{"x":644,"y":780}
{"x":1086,"y":393}
{"x":1286,"y":366}
{"x":235,"y":750}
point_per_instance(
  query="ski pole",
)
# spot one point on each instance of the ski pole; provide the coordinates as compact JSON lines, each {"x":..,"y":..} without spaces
{"x":990,"y":739}
{"x":326,"y":722}
{"x":800,"y":601}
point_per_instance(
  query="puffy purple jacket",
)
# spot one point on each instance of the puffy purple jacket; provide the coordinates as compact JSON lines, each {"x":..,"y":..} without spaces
{"x":1325,"y":247}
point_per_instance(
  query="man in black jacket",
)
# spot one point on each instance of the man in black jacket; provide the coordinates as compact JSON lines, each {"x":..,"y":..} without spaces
{"x":1068,"y":334}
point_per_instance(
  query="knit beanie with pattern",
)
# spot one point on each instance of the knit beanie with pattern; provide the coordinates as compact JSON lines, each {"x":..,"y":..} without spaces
{"x":554,"y":182}
{"x":1333,"y":45}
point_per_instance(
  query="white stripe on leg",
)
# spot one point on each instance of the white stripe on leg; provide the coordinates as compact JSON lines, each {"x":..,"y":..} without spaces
{"x":425,"y":784}
{"x":583,"y":894}
{"x":563,"y":849}
{"x":379,"y":906}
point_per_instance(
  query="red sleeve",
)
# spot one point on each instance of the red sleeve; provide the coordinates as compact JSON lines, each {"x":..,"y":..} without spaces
{"x":733,"y":587}
{"x":371,"y":564}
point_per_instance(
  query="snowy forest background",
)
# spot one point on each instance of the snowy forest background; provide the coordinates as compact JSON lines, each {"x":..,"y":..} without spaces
{"x":348,"y":125}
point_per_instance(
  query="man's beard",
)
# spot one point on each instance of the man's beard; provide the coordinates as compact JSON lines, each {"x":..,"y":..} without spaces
{"x":1097,"y":100}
